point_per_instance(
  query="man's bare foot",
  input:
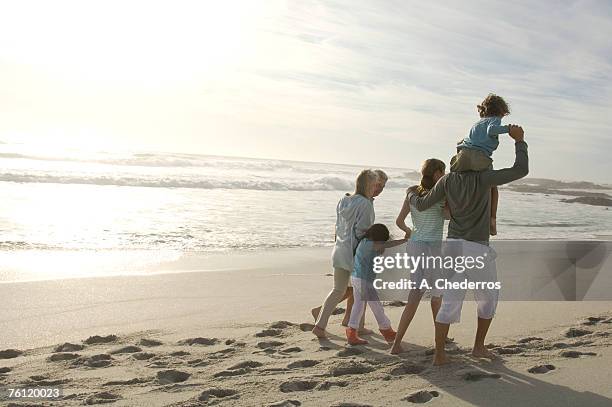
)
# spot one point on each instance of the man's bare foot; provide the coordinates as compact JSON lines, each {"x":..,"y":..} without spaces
{"x":315,"y":312}
{"x":396,"y":349}
{"x":493,"y":227}
{"x":482,"y":352}
{"x":344,"y":322}
{"x":365,"y":331}
{"x":319,"y":332}
{"x":440,"y":359}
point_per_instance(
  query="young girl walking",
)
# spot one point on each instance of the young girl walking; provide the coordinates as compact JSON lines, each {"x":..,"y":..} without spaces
{"x":374,"y":243}
{"x":425,"y":238}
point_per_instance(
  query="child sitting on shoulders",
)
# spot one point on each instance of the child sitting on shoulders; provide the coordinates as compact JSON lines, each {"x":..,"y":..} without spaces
{"x":474,"y":152}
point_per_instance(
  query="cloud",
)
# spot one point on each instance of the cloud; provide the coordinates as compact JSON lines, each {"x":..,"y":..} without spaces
{"x":386,"y":82}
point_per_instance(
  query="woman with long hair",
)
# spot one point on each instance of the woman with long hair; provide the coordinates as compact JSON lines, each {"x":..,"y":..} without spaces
{"x":427,"y":235}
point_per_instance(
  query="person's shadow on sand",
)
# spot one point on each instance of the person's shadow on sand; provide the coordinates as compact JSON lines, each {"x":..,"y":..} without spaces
{"x":480,"y":382}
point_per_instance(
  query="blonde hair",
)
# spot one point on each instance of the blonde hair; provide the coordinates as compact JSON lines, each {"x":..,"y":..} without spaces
{"x":381,"y":175}
{"x":428,"y":169}
{"x":364,"y":179}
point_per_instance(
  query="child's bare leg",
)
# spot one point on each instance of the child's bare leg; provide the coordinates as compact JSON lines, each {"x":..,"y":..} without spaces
{"x":349,"y":305}
{"x":494,"y":200}
{"x":409,"y":311}
{"x":436,"y":303}
{"x":316,"y":310}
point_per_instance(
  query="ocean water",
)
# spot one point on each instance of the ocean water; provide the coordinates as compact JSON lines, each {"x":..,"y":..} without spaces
{"x":156,"y":203}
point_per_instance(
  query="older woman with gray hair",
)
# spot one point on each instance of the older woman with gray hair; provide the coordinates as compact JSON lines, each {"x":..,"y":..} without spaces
{"x":354,"y":215}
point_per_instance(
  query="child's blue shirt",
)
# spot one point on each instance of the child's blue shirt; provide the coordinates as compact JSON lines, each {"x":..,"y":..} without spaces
{"x":364,"y":260}
{"x":484,"y":135}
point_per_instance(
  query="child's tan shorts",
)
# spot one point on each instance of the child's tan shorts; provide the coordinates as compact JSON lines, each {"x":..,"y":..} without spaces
{"x":470,"y":160}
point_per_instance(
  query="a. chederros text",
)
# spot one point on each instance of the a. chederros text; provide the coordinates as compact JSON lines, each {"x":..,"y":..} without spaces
{"x":405,"y":261}
{"x":441,"y":284}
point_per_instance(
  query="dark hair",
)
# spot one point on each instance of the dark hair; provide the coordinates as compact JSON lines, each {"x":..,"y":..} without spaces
{"x":428,"y":170}
{"x":378,"y":233}
{"x":492,"y":106}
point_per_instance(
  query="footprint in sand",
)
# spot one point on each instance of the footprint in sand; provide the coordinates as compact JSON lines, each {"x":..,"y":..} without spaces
{"x":350,"y":351}
{"x":422,"y":396}
{"x":230,"y":341}
{"x":172,"y":376}
{"x":95,"y":361}
{"x":102,"y":398}
{"x":129,"y":382}
{"x":541,"y":369}
{"x":97,"y":339}
{"x":477,"y":375}
{"x":150,"y":342}
{"x":5,"y":370}
{"x":326,"y":385}
{"x":348,"y":404}
{"x":576,"y":332}
{"x":216,"y":393}
{"x":298,"y":385}
{"x":529,"y":339}
{"x":199,"y":341}
{"x":576,"y":354}
{"x":68,"y":347}
{"x":281,"y":324}
{"x":269,"y":344}
{"x":509,"y":350}
{"x":235,"y":372}
{"x":298,"y":364}
{"x":10,"y":353}
{"x":180,"y":353}
{"x":222,"y":354}
{"x":286,"y":403}
{"x":306,"y":327}
{"x":349,"y":368}
{"x":247,"y":363}
{"x":59,"y":357}
{"x":125,"y":349}
{"x":293,"y":349}
{"x":407,"y":368}
{"x":39,"y":380}
{"x":593,"y":320}
{"x":213,"y":393}
{"x":268,"y":332}
{"x":198,"y":362}
{"x":143,"y":355}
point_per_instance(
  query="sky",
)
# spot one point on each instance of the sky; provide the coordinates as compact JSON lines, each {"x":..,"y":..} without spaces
{"x":382,"y":83}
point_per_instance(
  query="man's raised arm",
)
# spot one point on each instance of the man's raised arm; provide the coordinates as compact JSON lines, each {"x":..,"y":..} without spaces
{"x":521,"y":162}
{"x":436,"y":194}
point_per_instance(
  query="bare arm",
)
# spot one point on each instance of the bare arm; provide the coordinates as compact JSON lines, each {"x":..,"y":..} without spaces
{"x":436,"y":194}
{"x":401,"y":218}
{"x":380,"y":246}
{"x":520,"y":167}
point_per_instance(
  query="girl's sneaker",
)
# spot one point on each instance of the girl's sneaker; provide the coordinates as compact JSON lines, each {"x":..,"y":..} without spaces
{"x":353,"y":338}
{"x":388,"y":334}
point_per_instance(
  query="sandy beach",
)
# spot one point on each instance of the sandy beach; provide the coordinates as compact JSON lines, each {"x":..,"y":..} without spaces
{"x":236,"y":333}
